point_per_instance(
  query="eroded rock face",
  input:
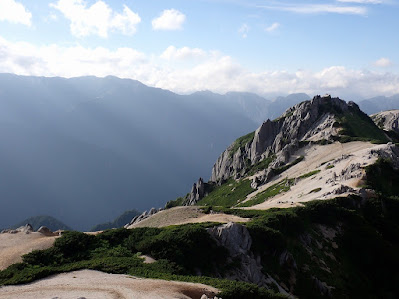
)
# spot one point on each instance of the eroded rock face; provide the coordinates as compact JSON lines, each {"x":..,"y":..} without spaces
{"x":387,"y":151}
{"x":387,"y":120}
{"x":310,"y":120}
{"x":237,"y":240}
{"x":197,"y":192}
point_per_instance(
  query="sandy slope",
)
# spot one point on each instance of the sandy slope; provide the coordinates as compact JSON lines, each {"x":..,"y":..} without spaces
{"x":91,"y":284}
{"x":319,"y":157}
{"x":13,"y":246}
{"x":182,"y":215}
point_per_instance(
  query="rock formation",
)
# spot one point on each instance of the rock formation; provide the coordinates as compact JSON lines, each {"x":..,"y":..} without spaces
{"x":237,"y":240}
{"x":387,"y":120}
{"x":313,"y":120}
{"x":46,"y":231}
{"x":27,"y":229}
{"x":197,"y":192}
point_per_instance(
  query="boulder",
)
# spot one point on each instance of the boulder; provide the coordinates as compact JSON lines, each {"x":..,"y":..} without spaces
{"x":46,"y":231}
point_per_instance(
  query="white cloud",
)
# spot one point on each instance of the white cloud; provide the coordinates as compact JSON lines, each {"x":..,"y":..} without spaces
{"x":383,"y":62}
{"x":272,"y":27}
{"x":243,"y":30}
{"x":362,"y":1}
{"x":97,"y":19}
{"x":14,"y":12}
{"x":213,"y":71}
{"x":318,"y":8}
{"x":173,"y":53}
{"x":170,"y":19}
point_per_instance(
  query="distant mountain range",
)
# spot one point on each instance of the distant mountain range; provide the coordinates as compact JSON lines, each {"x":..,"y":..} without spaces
{"x":86,"y":149}
{"x":118,"y":222}
{"x":378,"y":104}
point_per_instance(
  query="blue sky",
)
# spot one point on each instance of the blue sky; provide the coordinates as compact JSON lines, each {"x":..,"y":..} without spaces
{"x":343,"y":47}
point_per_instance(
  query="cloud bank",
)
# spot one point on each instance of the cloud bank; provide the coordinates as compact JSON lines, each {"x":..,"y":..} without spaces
{"x":318,"y":8}
{"x":207,"y":70}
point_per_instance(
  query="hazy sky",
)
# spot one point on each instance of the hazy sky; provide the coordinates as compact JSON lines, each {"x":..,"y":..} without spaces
{"x":321,"y":46}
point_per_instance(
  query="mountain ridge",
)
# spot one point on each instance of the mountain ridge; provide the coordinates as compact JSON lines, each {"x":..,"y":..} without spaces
{"x":307,"y":121}
{"x":315,"y":213}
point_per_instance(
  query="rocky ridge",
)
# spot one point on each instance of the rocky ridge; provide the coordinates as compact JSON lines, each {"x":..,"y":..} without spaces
{"x":314,"y":120}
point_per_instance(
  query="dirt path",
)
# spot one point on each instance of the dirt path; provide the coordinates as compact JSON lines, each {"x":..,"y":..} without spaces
{"x":91,"y":284}
{"x":13,"y":246}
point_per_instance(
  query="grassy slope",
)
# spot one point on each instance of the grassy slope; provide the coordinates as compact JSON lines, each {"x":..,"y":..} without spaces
{"x":228,"y":194}
{"x":272,"y":191}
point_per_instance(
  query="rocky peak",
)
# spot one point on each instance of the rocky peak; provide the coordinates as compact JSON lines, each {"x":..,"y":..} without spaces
{"x":313,"y":120}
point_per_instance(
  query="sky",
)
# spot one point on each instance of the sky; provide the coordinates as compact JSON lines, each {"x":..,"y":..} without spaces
{"x":348,"y":48}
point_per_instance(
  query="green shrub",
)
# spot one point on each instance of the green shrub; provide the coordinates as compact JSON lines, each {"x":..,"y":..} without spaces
{"x":180,"y":243}
{"x":315,"y":190}
{"x":309,"y":174}
{"x":75,"y":246}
